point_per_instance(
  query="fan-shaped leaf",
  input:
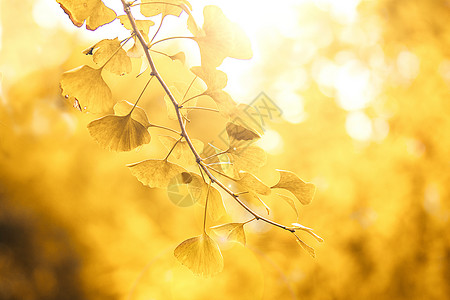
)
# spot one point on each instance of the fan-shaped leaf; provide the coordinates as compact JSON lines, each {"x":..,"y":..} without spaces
{"x":119,"y":133}
{"x":110,"y":49}
{"x":179,"y":56}
{"x":235,"y":231}
{"x":94,"y":12}
{"x":182,"y":151}
{"x":201,"y":255}
{"x":124,"y":107}
{"x":303,"y":191}
{"x":308,"y":230}
{"x":86,"y":85}
{"x":247,"y":158}
{"x":251,"y":183}
{"x":214,"y":79}
{"x":155,"y":173}
{"x":289,"y":201}
{"x":216,"y":208}
{"x":170,"y":7}
{"x":142,"y":25}
{"x":187,"y":188}
{"x":305,"y":246}
{"x":238,"y":133}
{"x":220,"y":38}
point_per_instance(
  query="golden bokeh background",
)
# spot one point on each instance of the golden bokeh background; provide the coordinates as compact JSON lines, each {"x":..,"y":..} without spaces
{"x":364,"y":91}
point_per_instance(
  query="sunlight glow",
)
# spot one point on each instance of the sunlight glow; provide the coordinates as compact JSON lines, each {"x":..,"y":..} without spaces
{"x":358,"y":126}
{"x":271,"y":142}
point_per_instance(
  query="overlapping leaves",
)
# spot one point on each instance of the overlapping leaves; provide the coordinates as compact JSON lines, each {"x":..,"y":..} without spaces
{"x":94,"y":12}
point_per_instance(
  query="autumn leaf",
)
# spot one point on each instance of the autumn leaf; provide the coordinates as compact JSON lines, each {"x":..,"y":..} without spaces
{"x":308,"y":230}
{"x":303,"y":191}
{"x":214,"y":79}
{"x":150,"y":8}
{"x":305,"y":246}
{"x":94,"y":12}
{"x":124,"y":107}
{"x":247,"y":158}
{"x":187,"y":188}
{"x":86,"y":85}
{"x":110,"y":51}
{"x":155,"y":173}
{"x":182,"y":151}
{"x":235,"y":231}
{"x":201,"y":255}
{"x":289,"y":201}
{"x":251,"y":183}
{"x":238,"y":133}
{"x":216,"y":208}
{"x":142,"y":25}
{"x":224,"y":102}
{"x":220,"y":38}
{"x":180,"y":56}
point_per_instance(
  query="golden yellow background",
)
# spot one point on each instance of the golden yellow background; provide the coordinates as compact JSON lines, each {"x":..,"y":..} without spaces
{"x":364,"y":87}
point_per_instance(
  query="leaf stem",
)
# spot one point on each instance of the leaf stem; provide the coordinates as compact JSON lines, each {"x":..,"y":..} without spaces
{"x":199,"y":108}
{"x":173,"y":147}
{"x":166,"y":128}
{"x":143,"y":90}
{"x":157,"y":30}
{"x":193,"y":97}
{"x":183,"y":133}
{"x":189,"y":87}
{"x":117,"y":50}
{"x":206,"y":207}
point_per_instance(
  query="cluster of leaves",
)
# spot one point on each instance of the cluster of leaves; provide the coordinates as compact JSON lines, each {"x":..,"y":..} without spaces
{"x":127,"y":128}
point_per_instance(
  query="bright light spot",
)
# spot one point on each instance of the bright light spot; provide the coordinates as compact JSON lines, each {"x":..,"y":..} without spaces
{"x":46,"y":13}
{"x":380,"y":129}
{"x":353,"y":85}
{"x":358,"y":126}
{"x":271,"y":142}
{"x":408,"y":65}
{"x":345,"y":11}
{"x":291,"y":106}
{"x":444,"y":69}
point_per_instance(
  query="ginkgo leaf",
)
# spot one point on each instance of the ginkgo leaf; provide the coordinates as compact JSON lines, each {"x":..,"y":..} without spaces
{"x":305,"y":246}
{"x":86,"y":85}
{"x":179,"y":56}
{"x":201,"y":255}
{"x":308,"y":230}
{"x":216,"y":208}
{"x":110,"y":51}
{"x":239,"y":133}
{"x":187,"y":188}
{"x":124,"y":107}
{"x":247,"y":158}
{"x":289,"y":201}
{"x":251,"y":183}
{"x":220,"y":38}
{"x":235,"y":231}
{"x":155,"y":173}
{"x":182,"y":151}
{"x":303,"y":191}
{"x":176,"y":92}
{"x":142,"y":25}
{"x":224,"y":102}
{"x":94,"y":12}
{"x":119,"y":133}
{"x":169,"y":7}
{"x":214,"y":79}
{"x":247,"y":116}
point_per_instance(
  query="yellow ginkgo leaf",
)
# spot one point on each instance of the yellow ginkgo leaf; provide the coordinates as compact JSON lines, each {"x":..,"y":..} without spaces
{"x":201,"y":255}
{"x":86,"y":85}
{"x":247,"y":158}
{"x":216,"y":209}
{"x":247,"y":116}
{"x":110,"y":51}
{"x":182,"y":151}
{"x":308,"y":230}
{"x":94,"y":12}
{"x":220,"y":38}
{"x":303,"y":191}
{"x":187,"y":188}
{"x":119,"y":133}
{"x":124,"y":107}
{"x":238,"y":133}
{"x":150,"y":8}
{"x":214,"y":79}
{"x":251,"y":183}
{"x":224,"y":102}
{"x":142,"y":25}
{"x":180,"y":56}
{"x":155,"y":173}
{"x":289,"y":201}
{"x":305,"y":246}
{"x":235,"y":231}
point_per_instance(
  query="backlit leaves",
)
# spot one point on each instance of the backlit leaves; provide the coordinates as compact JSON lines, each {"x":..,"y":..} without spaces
{"x":201,"y":255}
{"x":220,"y":38}
{"x":216,"y":208}
{"x":94,"y":12}
{"x":303,"y":191}
{"x":238,"y":133}
{"x":110,"y":51}
{"x":142,"y":25}
{"x":251,"y":183}
{"x":170,"y":7}
{"x":86,"y":85}
{"x":155,"y":173}
{"x":247,"y":158}
{"x":182,"y":151}
{"x":121,"y":132}
{"x":214,"y":79}
{"x":235,"y":231}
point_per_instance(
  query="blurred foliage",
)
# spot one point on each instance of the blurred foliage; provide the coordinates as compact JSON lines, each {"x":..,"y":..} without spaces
{"x":74,"y":223}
